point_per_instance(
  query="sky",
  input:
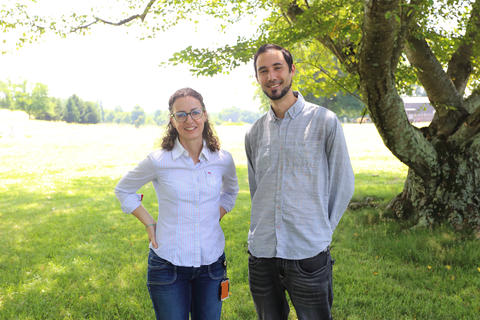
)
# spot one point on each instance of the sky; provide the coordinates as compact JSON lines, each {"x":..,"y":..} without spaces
{"x":117,"y":69}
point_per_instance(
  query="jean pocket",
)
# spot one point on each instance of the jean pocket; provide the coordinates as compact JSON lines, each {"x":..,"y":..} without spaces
{"x":314,"y":264}
{"x":160,"y":271}
{"x":252,"y":261}
{"x":216,"y":270}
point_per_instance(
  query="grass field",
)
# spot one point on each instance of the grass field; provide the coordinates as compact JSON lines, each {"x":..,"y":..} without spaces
{"x":67,"y":251}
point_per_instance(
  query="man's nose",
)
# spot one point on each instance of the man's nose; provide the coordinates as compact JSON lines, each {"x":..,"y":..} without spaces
{"x":270,"y":76}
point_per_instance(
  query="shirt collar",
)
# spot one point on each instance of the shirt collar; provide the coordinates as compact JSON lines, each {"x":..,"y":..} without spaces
{"x":293,"y":111}
{"x":178,"y":150}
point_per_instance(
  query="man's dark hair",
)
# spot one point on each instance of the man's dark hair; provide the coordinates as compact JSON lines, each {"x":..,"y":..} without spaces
{"x":270,"y":46}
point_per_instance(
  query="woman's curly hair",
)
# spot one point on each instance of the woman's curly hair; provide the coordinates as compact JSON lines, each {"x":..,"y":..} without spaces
{"x":171,"y":134}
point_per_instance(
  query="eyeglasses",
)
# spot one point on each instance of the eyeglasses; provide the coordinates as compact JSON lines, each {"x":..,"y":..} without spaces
{"x":182,"y":116}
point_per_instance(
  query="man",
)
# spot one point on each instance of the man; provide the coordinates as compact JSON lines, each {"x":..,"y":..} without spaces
{"x":301,"y":181}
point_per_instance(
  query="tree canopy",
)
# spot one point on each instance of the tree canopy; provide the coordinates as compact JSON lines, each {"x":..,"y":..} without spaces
{"x":324,"y":36}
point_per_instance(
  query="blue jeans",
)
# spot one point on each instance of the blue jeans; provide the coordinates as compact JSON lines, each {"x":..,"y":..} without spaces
{"x":177,"y":291}
{"x":307,"y":281}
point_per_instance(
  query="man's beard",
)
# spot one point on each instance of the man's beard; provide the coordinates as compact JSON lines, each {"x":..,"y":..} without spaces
{"x":281,"y":94}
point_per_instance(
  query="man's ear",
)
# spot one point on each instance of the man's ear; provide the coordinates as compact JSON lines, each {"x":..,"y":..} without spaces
{"x":293,"y":69}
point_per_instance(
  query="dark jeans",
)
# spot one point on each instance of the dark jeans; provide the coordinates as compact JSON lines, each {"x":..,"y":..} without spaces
{"x":308,"y":282}
{"x":177,"y":291}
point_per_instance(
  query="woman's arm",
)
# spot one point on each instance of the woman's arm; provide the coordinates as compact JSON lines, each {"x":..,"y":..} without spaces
{"x":229,"y":187}
{"x":127,"y":187}
{"x":142,"y":214}
{"x":222,"y":212}
{"x":131,"y":201}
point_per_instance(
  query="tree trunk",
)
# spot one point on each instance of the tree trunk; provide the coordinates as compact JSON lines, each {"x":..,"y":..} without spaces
{"x":443,"y":182}
{"x":452,"y":195}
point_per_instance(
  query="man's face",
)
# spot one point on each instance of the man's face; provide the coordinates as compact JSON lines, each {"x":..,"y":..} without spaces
{"x":273,"y":74}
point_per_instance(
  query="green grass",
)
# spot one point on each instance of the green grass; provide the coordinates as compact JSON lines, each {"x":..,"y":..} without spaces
{"x":67,"y":251}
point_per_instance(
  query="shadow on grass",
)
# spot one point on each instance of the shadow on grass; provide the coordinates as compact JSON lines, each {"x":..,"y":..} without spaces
{"x":74,"y":254}
{"x":379,"y":185}
{"x":71,"y":254}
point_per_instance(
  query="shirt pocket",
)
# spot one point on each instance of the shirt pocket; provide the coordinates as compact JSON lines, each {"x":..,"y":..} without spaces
{"x":309,"y":154}
{"x":263,"y":161}
{"x":213,"y":179}
{"x":179,"y":185}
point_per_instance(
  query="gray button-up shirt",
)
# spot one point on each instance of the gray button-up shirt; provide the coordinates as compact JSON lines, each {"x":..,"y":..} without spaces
{"x":301,"y":181}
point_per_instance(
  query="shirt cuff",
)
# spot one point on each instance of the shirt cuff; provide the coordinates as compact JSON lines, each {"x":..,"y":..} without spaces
{"x":131,"y":203}
{"x":226,"y":203}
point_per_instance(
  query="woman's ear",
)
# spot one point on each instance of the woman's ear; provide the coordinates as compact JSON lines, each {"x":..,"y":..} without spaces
{"x":172,"y":122}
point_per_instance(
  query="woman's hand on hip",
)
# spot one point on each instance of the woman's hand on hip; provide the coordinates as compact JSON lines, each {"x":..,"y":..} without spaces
{"x":151,"y":234}
{"x":142,"y":214}
{"x":222,"y":212}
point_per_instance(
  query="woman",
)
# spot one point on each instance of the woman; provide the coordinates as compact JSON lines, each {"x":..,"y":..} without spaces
{"x":196,"y":185}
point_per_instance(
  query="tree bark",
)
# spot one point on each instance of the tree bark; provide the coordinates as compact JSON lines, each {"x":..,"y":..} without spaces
{"x":443,"y":181}
{"x":377,"y":64}
{"x":452,"y":197}
{"x":460,"y":65}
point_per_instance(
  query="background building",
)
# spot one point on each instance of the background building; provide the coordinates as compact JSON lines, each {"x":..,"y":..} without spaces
{"x":418,"y":109}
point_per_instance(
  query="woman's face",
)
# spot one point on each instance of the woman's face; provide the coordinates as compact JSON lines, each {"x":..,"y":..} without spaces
{"x":189,"y":118}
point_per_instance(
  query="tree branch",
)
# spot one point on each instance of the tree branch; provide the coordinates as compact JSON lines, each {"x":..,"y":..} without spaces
{"x":344,"y":56}
{"x":475,"y":145}
{"x":460,"y":65}
{"x":437,"y":84}
{"x":468,"y":131}
{"x":338,"y":49}
{"x":376,"y":69}
{"x":446,"y":100}
{"x":294,"y":10}
{"x":325,"y":71}
{"x":286,"y":17}
{"x":119,"y":23}
{"x":472,"y":103}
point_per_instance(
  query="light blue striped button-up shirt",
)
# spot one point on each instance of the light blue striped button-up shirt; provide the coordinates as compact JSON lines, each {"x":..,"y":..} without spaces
{"x":301,"y":181}
{"x":189,"y":196}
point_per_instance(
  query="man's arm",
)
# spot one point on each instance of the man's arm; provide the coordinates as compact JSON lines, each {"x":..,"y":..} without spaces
{"x":251,"y":169}
{"x":340,"y":173}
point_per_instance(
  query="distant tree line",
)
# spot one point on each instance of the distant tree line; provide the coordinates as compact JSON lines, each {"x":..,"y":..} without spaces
{"x":37,"y":103}
{"x":235,"y":114}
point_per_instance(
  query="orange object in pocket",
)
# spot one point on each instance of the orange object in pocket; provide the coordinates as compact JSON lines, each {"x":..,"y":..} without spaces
{"x":224,"y":289}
